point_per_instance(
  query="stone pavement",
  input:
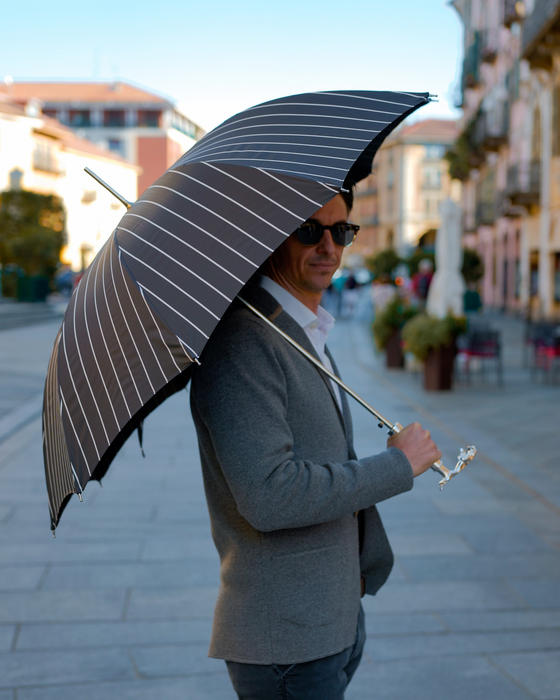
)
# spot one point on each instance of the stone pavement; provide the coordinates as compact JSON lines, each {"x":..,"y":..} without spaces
{"x":119,"y":605}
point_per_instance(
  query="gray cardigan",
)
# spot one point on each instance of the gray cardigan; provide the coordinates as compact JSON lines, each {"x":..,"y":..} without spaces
{"x":283,"y":485}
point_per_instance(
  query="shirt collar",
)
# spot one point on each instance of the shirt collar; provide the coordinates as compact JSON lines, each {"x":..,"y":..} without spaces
{"x":323,"y":320}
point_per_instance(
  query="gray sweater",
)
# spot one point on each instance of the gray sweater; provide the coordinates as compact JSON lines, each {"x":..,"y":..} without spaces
{"x":283,"y":486}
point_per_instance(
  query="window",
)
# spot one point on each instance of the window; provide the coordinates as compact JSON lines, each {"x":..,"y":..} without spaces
{"x":434,"y":151}
{"x":52,"y":113}
{"x":149,"y":117}
{"x":44,"y":157}
{"x":80,"y":117}
{"x":117,"y":146}
{"x":113,"y":117}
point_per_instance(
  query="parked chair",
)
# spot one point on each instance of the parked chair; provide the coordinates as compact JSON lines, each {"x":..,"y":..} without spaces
{"x":547,"y":354}
{"x":483,"y":345}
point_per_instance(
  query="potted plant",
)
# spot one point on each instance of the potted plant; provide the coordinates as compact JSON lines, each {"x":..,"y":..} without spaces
{"x":387,"y":329}
{"x":432,"y":341}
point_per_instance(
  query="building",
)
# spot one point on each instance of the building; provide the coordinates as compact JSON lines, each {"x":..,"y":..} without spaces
{"x":399,"y":205}
{"x":141,"y":126}
{"x":508,"y":154}
{"x":41,"y":155}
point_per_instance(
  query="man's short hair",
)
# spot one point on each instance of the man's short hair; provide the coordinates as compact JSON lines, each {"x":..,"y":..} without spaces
{"x":348,"y":197}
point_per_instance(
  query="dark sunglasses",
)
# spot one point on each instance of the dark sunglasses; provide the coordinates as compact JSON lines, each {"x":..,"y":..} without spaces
{"x":311,"y":232}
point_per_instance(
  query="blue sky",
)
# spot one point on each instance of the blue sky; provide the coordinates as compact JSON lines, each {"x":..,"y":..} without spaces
{"x":216,"y":57}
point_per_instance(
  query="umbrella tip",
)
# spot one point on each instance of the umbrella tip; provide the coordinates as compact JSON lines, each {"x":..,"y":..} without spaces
{"x":433,"y":98}
{"x":80,"y":497}
{"x":54,"y":532}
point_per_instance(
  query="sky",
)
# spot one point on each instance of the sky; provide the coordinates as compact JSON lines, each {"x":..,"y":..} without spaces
{"x":218,"y":57}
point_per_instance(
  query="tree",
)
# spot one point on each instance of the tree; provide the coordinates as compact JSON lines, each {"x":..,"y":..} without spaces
{"x":32,"y":231}
{"x":473,"y":266}
{"x":383,"y":263}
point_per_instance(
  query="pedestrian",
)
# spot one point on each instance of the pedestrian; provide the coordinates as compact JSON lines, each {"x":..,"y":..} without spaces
{"x":382,"y":291}
{"x":422,"y":279}
{"x":292,"y":507}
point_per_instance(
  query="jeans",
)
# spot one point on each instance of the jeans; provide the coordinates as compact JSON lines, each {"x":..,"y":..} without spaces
{"x":322,"y":679}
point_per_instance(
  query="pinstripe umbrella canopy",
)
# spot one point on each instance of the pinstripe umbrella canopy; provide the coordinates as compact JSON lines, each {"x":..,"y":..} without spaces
{"x":148,"y":303}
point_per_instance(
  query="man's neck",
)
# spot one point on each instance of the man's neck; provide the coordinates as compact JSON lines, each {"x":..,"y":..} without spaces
{"x":308,"y":297}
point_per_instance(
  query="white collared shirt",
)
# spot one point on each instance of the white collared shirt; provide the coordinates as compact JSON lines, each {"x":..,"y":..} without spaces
{"x":316,"y":326}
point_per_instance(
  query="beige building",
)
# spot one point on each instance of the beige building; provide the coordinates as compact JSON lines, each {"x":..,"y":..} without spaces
{"x":141,"y":126}
{"x":412,"y":180}
{"x":41,"y":155}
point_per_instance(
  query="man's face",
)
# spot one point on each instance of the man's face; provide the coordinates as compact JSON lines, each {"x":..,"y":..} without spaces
{"x":306,"y":271}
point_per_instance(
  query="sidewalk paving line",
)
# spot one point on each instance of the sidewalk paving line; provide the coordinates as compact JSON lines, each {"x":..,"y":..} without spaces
{"x":422,"y":410}
{"x":21,"y":416}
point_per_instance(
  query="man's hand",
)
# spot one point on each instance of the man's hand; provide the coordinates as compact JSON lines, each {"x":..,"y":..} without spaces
{"x":417,"y":445}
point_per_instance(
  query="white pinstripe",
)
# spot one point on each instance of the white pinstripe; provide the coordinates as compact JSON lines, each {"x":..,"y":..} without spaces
{"x":162,"y":252}
{"x":206,"y":257}
{"x":149,"y":291}
{"x":140,"y":322}
{"x":157,"y":204}
{"x":214,"y":213}
{"x":130,"y":332}
{"x":103,"y":334}
{"x":161,"y":335}
{"x":73,"y":428}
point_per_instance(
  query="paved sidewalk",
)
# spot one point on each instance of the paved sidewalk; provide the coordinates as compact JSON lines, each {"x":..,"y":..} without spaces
{"x":119,"y":605}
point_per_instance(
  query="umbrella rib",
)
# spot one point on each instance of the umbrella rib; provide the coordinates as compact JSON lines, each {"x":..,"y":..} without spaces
{"x":166,"y":279}
{"x":140,"y":322}
{"x":128,"y":329}
{"x":160,"y":250}
{"x":270,"y":160}
{"x":149,"y":291}
{"x":377,"y":99}
{"x":230,"y":199}
{"x":115,"y":332}
{"x":304,"y":126}
{"x":215,"y":238}
{"x":105,"y":342}
{"x":254,"y":189}
{"x":262,"y":170}
{"x":95,"y":355}
{"x":206,"y":257}
{"x":219,"y":216}
{"x":82,"y":362}
{"x":161,"y":334}
{"x":283,"y":143}
{"x":76,"y":391}
{"x":324,"y":104}
{"x":265,"y":151}
{"x":75,"y":434}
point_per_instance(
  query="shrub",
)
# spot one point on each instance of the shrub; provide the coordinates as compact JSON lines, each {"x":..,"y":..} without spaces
{"x":393,"y":317}
{"x":425,"y":333}
{"x":383,"y":263}
{"x":473,"y":266}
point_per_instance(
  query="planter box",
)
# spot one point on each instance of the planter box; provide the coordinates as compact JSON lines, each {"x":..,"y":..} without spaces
{"x":394,"y":356}
{"x":438,"y":369}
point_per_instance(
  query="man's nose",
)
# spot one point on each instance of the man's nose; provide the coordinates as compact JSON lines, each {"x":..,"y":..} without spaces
{"x":326,"y":244}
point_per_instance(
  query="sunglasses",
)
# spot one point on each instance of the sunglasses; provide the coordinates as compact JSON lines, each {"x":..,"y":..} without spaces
{"x":311,"y":232}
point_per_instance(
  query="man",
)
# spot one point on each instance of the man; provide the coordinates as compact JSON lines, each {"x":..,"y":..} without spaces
{"x":292,"y":508}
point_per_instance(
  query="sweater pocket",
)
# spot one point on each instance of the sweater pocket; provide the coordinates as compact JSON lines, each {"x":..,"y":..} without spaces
{"x":312,"y":588}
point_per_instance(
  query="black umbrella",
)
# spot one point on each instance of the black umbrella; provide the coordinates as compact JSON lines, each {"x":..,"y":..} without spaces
{"x":150,"y":300}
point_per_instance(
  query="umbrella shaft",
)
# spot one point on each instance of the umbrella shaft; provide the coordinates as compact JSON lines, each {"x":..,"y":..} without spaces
{"x":321,"y":366}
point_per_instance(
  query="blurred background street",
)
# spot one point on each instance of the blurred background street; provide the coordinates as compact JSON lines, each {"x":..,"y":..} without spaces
{"x":120,"y":604}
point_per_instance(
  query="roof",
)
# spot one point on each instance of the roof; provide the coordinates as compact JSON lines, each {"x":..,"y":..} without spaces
{"x":69,"y":92}
{"x":438,"y":130}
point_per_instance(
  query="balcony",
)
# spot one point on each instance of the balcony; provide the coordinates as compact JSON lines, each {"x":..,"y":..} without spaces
{"x":491,"y":129}
{"x":471,"y":64}
{"x":504,"y":207}
{"x":541,"y":34}
{"x":488,"y":45}
{"x":524,"y":183}
{"x":513,"y":11}
{"x":485,"y":214}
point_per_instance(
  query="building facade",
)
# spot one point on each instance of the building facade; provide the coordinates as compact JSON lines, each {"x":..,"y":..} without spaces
{"x":142,"y":127}
{"x":41,"y":155}
{"x":508,"y":153}
{"x":398,"y":205}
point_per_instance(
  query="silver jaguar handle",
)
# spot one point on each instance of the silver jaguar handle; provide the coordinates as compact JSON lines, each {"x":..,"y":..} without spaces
{"x":464,"y":457}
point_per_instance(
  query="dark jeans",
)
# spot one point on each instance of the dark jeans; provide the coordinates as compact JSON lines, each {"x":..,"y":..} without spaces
{"x":322,"y":679}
